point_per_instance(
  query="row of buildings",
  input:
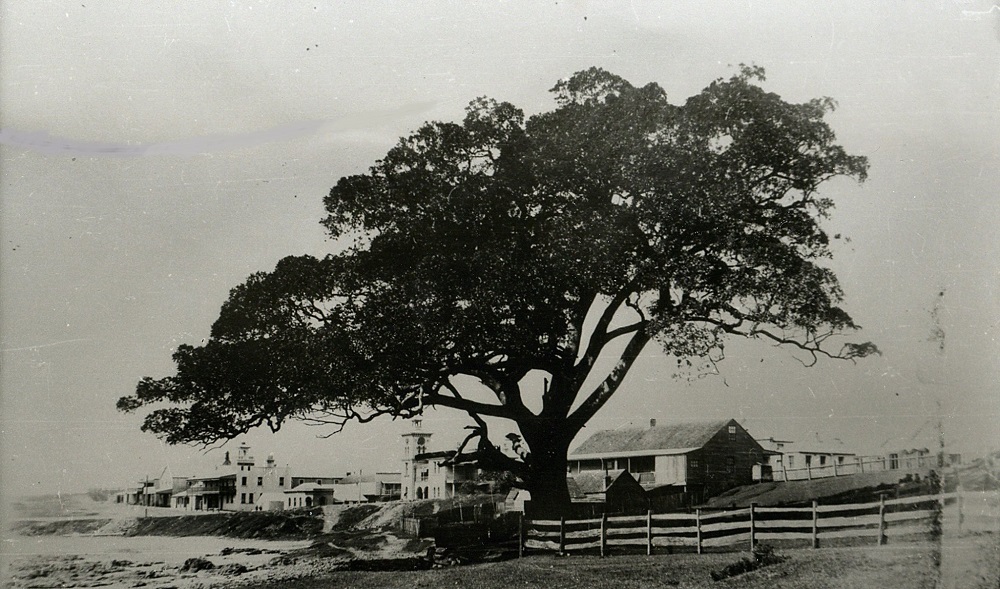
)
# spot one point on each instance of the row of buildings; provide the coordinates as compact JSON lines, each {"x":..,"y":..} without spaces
{"x":670,"y":465}
{"x":247,"y":486}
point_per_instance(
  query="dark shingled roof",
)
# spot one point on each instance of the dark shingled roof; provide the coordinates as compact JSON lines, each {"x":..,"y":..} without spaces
{"x":575,"y":492}
{"x":661,"y":437}
{"x":593,"y":481}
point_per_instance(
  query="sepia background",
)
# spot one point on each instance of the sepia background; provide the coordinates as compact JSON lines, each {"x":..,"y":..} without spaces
{"x":152,"y":157}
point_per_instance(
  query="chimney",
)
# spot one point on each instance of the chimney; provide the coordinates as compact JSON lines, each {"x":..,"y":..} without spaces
{"x":652,"y":423}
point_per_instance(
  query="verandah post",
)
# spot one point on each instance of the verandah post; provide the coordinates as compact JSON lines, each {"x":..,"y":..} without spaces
{"x":697,"y":523}
{"x":815,"y":528}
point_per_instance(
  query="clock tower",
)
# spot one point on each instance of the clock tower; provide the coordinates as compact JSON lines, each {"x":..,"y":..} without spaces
{"x":415,"y":442}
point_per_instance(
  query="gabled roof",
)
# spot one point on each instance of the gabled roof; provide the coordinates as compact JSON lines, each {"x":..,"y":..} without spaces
{"x":575,"y":492}
{"x":310,"y":488}
{"x":597,"y":481}
{"x":675,"y":438}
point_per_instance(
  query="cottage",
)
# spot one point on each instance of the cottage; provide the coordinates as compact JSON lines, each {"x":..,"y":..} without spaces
{"x":310,"y":494}
{"x":696,"y":459}
{"x":820,"y":457}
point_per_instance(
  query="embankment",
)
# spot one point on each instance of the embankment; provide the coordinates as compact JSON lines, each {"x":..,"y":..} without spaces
{"x":262,"y":525}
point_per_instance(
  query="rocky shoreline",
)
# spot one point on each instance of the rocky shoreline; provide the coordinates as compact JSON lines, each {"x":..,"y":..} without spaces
{"x":228,"y":567}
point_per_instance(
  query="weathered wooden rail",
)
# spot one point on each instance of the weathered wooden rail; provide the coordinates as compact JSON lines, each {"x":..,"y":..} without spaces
{"x":887,"y":518}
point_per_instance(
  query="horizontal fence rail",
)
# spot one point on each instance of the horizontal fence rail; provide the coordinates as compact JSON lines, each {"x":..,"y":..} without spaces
{"x":887,"y":518}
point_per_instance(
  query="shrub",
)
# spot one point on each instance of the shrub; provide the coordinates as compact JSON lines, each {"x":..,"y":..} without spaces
{"x":763,"y":555}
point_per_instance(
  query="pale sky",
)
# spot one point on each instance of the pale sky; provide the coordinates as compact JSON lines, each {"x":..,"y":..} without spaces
{"x":233,"y":120}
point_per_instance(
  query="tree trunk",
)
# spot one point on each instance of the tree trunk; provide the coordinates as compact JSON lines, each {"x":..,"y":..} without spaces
{"x":547,"y":481}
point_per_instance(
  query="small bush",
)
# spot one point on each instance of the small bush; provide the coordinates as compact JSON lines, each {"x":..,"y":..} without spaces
{"x":763,"y":555}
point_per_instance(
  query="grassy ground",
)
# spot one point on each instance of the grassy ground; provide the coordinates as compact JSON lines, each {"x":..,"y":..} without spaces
{"x":973,"y":563}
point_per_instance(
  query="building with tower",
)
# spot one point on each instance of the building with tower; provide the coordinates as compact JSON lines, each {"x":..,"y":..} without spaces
{"x":259,"y":486}
{"x":242,"y":486}
{"x":431,"y":475}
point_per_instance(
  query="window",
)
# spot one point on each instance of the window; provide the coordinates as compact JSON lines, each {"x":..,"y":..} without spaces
{"x":244,"y":481}
{"x":641,"y":464}
{"x":243,"y":497}
{"x":694,"y":464}
{"x":840,"y":459}
{"x":822,"y":460}
{"x":732,"y":433}
{"x":809,"y":459}
{"x":251,"y":498}
{"x":730,"y":464}
{"x":281,"y":481}
{"x":791,"y":461}
{"x":260,"y":481}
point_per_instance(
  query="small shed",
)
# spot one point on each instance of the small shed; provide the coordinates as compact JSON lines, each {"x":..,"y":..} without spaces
{"x":618,"y":490}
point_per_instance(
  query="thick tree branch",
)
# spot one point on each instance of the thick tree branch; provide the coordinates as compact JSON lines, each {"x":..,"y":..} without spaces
{"x":607,"y":388}
{"x":600,"y":336}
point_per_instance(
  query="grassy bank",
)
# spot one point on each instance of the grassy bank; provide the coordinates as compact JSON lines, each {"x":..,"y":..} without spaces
{"x":971,"y":564}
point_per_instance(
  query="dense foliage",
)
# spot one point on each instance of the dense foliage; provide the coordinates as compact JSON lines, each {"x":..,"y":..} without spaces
{"x":480,"y":249}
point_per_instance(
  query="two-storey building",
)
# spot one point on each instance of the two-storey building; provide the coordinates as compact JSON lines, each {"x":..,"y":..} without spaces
{"x":698,"y":459}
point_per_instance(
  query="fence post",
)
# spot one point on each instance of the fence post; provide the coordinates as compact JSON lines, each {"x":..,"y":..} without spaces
{"x":881,"y":519}
{"x":961,"y":515}
{"x":649,"y":532}
{"x":697,"y":523}
{"x":784,"y":472}
{"x":562,"y":534}
{"x":604,"y":533}
{"x":753,"y":531}
{"x":815,"y":530}
{"x":520,"y":534}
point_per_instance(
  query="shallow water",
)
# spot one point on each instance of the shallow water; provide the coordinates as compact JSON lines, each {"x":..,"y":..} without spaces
{"x":168,"y":549}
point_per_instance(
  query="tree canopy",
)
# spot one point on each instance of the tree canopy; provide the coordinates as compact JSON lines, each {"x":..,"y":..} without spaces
{"x":501,"y":245}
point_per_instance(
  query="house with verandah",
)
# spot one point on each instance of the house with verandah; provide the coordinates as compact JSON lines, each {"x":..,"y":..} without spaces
{"x":676,"y":463}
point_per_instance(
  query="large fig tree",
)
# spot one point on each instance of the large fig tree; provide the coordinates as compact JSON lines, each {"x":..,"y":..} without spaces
{"x":482,"y":251}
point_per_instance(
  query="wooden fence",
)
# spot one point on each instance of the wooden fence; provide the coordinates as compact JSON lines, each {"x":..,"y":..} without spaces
{"x":880,"y":520}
